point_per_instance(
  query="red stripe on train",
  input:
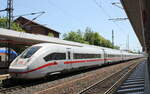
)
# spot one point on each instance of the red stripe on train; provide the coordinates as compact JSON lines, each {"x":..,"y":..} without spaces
{"x":46,"y":65}
{"x":83,"y":61}
{"x":67,"y":62}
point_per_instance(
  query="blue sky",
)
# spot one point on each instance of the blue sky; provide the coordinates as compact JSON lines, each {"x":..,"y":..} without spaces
{"x":67,"y":15}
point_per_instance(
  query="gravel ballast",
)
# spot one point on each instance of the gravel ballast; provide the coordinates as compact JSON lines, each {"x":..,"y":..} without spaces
{"x":74,"y":86}
{"x":71,"y":84}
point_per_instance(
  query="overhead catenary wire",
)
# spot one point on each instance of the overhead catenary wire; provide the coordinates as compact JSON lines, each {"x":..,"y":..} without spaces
{"x":118,"y":19}
{"x":106,"y":13}
{"x":117,"y":4}
{"x":27,"y":14}
{"x":40,"y":13}
{"x":65,"y":12}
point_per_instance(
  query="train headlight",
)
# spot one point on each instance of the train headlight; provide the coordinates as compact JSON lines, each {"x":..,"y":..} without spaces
{"x":28,"y":60}
{"x":24,"y":62}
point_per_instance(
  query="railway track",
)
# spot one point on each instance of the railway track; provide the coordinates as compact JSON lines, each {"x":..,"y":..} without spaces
{"x":6,"y":90}
{"x":110,"y":83}
{"x":57,"y":82}
{"x":12,"y":85}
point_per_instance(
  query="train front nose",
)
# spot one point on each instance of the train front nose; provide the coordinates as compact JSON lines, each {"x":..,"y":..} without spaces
{"x":18,"y":68}
{"x":17,"y":72}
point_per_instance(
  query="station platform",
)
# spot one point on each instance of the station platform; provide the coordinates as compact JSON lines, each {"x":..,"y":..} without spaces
{"x":137,"y":82}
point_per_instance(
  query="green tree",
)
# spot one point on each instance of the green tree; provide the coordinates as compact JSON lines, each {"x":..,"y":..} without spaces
{"x":116,"y":47}
{"x":94,"y":38}
{"x":50,"y":34}
{"x":3,"y":22}
{"x":15,"y":26}
{"x":74,"y":36}
{"x":89,"y":37}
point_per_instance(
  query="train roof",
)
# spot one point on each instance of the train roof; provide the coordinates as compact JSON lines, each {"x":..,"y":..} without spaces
{"x":91,"y":47}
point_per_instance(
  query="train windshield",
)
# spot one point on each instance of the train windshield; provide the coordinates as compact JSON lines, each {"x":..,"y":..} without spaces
{"x":30,"y":51}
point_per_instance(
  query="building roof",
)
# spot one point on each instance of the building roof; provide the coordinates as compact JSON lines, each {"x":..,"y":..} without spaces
{"x":14,"y":37}
{"x":30,"y":21}
{"x":138,"y":14}
{"x":31,"y":39}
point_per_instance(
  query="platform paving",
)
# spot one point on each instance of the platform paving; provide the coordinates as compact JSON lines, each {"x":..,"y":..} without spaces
{"x":135,"y":83}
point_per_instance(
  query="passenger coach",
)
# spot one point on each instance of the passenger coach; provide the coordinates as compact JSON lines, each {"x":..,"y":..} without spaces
{"x":48,"y":59}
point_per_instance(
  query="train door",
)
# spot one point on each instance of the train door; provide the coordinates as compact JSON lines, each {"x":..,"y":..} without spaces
{"x":122,"y":56}
{"x":69,"y":56}
{"x":104,"y":56}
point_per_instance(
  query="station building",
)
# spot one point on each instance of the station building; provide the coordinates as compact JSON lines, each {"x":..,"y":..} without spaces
{"x":30,"y":26}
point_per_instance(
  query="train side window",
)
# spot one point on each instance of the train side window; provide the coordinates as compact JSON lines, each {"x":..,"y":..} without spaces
{"x":69,"y":57}
{"x":100,"y":55}
{"x":84,"y":56}
{"x":60,"y":56}
{"x":55,"y":56}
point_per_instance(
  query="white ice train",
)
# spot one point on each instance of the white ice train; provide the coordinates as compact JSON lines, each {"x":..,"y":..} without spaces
{"x":47,"y":59}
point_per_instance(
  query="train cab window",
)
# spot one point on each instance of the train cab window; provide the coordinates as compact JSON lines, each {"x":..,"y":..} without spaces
{"x":30,"y":51}
{"x":55,"y":56}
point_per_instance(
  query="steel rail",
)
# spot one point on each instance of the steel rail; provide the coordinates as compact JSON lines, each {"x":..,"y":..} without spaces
{"x":88,"y":88}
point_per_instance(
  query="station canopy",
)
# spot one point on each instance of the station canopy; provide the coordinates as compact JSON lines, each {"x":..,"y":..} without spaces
{"x":14,"y":37}
{"x":138,"y":12}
